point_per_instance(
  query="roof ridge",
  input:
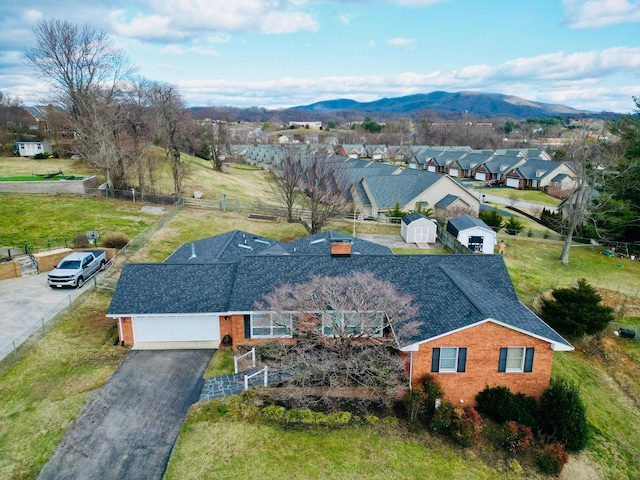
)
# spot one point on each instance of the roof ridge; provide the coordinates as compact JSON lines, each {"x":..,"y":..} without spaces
{"x":462,"y":290}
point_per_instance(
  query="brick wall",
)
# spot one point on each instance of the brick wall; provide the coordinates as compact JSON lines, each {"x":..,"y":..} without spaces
{"x":483,"y":343}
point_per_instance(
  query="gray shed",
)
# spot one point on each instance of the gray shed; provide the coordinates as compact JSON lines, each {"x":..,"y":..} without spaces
{"x":417,"y":228}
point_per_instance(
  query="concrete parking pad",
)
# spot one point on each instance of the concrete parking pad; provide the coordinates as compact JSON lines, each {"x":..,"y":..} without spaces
{"x":129,"y":429}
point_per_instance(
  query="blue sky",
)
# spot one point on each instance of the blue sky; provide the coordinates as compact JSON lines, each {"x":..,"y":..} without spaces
{"x":279,"y":53}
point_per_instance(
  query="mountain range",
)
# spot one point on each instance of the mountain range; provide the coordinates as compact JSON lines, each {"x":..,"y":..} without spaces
{"x":473,"y":103}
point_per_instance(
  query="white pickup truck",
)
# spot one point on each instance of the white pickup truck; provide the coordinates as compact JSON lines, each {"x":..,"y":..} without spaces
{"x":76,"y":268}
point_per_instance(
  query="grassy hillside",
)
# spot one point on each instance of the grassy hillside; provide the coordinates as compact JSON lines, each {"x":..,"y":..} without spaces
{"x":42,"y":394}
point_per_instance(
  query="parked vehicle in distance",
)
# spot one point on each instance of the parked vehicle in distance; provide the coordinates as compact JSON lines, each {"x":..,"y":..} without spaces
{"x":493,"y":183}
{"x":76,"y":268}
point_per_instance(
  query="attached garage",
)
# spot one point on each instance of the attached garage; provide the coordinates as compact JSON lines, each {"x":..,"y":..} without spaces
{"x":481,"y":176}
{"x":513,"y":182}
{"x":453,"y":172}
{"x":183,"y":328}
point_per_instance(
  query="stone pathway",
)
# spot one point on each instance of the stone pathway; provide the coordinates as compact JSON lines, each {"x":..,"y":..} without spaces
{"x":233,"y":384}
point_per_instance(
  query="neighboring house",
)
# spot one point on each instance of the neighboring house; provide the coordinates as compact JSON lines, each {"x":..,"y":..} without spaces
{"x":410,"y":188}
{"x":416,"y":228}
{"x":31,"y":147}
{"x":497,"y":167}
{"x":473,"y":233}
{"x":539,"y":174}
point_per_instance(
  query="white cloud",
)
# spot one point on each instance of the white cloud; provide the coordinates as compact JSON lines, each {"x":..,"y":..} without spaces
{"x":173,"y":19}
{"x":401,"y":42}
{"x":600,"y":13}
{"x":345,"y":18}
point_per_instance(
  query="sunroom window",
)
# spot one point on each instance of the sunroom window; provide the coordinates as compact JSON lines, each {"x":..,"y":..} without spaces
{"x":369,"y":324}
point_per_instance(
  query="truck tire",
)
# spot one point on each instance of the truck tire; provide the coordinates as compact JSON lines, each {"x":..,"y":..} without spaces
{"x":79,"y":282}
{"x":103,"y":265}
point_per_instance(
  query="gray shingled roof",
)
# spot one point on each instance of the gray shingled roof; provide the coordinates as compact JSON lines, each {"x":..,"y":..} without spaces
{"x":465,"y":222}
{"x":389,"y":189}
{"x":227,"y":247}
{"x":447,"y":200}
{"x":451,"y":292}
{"x":412,"y":217}
{"x":320,"y":244}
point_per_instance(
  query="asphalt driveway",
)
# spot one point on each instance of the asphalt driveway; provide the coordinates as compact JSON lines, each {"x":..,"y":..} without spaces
{"x":129,"y":429}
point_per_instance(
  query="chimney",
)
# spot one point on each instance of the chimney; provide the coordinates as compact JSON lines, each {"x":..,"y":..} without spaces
{"x":340,"y":248}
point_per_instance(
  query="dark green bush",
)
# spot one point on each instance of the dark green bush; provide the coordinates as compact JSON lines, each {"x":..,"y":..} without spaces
{"x":40,"y":156}
{"x":115,"y":240}
{"x":562,"y":415}
{"x":513,"y":226}
{"x":502,"y":405}
{"x":576,"y":310}
{"x":552,"y":459}
{"x":493,"y":218}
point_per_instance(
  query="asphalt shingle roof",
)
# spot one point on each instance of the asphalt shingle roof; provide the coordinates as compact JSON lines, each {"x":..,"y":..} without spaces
{"x":389,"y":189}
{"x":451,"y":292}
{"x":465,"y":222}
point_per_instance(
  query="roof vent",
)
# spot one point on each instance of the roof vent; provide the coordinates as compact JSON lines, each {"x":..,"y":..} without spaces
{"x":193,"y":251}
{"x":242,"y":245}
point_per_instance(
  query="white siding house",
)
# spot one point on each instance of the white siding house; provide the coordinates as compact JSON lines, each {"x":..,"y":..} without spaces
{"x":31,"y":147}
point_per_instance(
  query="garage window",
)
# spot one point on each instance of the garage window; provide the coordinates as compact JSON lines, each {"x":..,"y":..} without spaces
{"x":269,"y":325}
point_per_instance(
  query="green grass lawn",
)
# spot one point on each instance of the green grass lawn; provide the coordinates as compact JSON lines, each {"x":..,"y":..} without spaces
{"x":36,"y":220}
{"x":45,"y":391}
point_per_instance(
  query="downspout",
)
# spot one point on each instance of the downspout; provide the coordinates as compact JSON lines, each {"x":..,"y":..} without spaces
{"x":120,"y":334}
{"x":411,"y":371}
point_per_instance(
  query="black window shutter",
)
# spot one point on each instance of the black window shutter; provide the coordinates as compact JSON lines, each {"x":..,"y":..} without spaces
{"x":528,"y":360}
{"x":247,"y":326}
{"x":435,"y":360}
{"x":502,"y":362}
{"x":462,"y":359}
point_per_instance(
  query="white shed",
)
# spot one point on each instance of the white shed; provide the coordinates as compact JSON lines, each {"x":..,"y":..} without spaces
{"x":31,"y":147}
{"x":417,"y":228}
{"x":474,"y":233}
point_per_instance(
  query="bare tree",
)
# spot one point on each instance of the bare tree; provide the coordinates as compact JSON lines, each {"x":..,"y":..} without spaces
{"x":322,"y":197}
{"x":136,"y":124}
{"x":593,"y":162}
{"x":287,"y":177}
{"x":77,"y":61}
{"x":219,"y":145}
{"x":349,"y":329}
{"x":170,"y":118}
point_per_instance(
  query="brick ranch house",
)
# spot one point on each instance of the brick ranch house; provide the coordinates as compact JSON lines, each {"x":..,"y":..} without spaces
{"x":473,"y":330}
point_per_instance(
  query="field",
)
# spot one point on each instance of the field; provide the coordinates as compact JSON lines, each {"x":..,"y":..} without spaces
{"x":42,"y":394}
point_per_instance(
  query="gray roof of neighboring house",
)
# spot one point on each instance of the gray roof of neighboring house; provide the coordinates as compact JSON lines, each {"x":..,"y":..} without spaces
{"x":389,"y":189}
{"x":537,"y":168}
{"x":447,"y":200}
{"x":559,"y":177}
{"x":502,"y":163}
{"x":465,"y":222}
{"x":227,"y":247}
{"x":477,"y":288}
{"x":472,"y":160}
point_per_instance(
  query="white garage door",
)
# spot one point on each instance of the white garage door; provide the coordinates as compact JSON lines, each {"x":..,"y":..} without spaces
{"x":453,"y":172}
{"x":513,"y":182}
{"x":175,"y":329}
{"x":481,"y":176}
{"x":431,"y":168}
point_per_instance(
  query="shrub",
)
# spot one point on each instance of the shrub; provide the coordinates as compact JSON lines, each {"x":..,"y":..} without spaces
{"x":274,"y":413}
{"x":502,"y":405}
{"x":493,"y":218}
{"x":516,"y":437}
{"x":414,"y":402}
{"x":513,"y":226}
{"x":562,"y":415}
{"x":80,"y":241}
{"x":40,"y":156}
{"x":463,"y":425}
{"x":116,"y":240}
{"x":552,"y":459}
{"x":576,"y":310}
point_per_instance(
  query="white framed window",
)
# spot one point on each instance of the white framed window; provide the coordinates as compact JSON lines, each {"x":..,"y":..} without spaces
{"x":515,"y":359}
{"x":448,"y":359}
{"x":269,"y":325}
{"x":339,"y":324}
